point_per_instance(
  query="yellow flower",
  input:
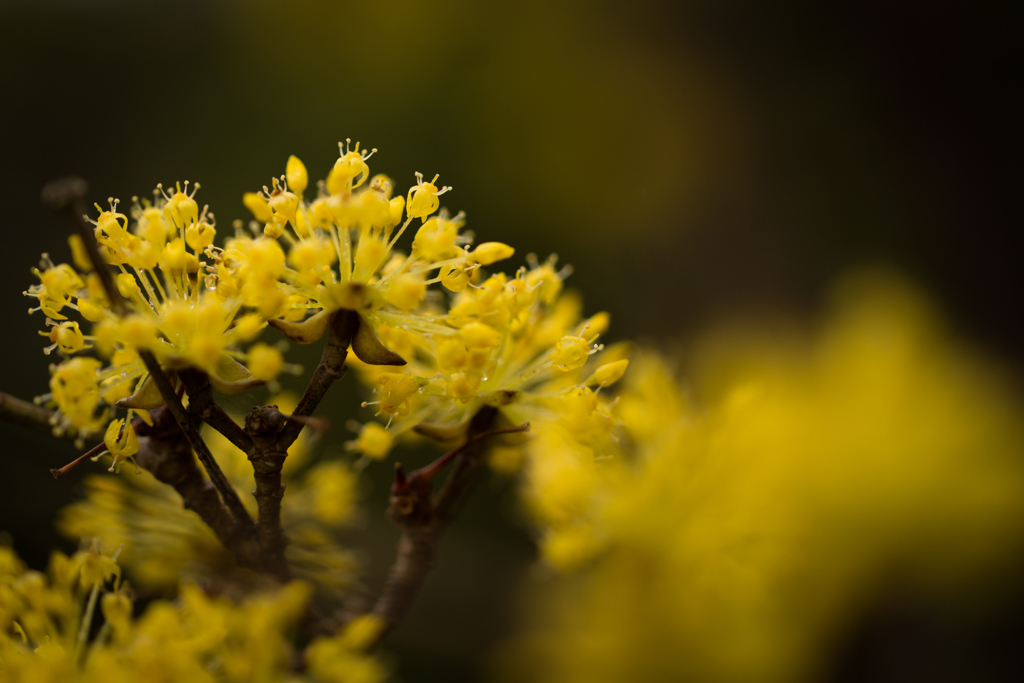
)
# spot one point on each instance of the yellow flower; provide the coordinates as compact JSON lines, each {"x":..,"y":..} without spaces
{"x":609,"y":373}
{"x":121,"y":442}
{"x":199,"y":638}
{"x":265,"y":362}
{"x":735,"y":541}
{"x":571,"y":353}
{"x":422,"y":199}
{"x":374,"y":441}
{"x":74,"y":387}
{"x":96,"y":568}
{"x":342,"y":658}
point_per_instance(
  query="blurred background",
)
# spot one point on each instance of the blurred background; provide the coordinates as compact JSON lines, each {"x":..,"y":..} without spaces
{"x":694,"y":161}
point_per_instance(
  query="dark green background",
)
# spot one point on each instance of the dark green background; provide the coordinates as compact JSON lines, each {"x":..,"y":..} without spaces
{"x":692,"y":160}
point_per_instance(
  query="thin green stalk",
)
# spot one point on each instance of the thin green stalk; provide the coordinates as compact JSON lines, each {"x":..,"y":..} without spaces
{"x":90,"y":610}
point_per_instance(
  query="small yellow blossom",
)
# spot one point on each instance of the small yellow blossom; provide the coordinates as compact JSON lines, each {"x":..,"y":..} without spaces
{"x":571,"y":353}
{"x":342,"y":658}
{"x":265,"y":362}
{"x":121,"y":441}
{"x":422,"y":200}
{"x":258,"y":205}
{"x":68,"y":337}
{"x":74,"y":390}
{"x":395,"y":392}
{"x":334,"y":493}
{"x":374,"y":441}
{"x":96,"y":567}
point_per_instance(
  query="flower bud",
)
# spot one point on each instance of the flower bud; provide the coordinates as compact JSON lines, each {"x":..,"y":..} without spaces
{"x":295,"y":172}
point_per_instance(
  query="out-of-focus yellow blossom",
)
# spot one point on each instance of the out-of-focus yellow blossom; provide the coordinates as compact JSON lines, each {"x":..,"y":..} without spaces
{"x":342,"y":658}
{"x":162,"y":543}
{"x":74,"y":389}
{"x":183,"y":306}
{"x":506,"y":460}
{"x":265,"y":362}
{"x":742,"y":535}
{"x":42,"y":616}
{"x":45,"y":632}
{"x":374,"y":441}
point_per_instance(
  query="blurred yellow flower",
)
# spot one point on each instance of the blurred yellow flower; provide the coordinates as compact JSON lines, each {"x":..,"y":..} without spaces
{"x":45,"y":632}
{"x":736,"y":538}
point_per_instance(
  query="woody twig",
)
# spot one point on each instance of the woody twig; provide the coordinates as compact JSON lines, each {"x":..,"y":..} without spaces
{"x":423,"y":515}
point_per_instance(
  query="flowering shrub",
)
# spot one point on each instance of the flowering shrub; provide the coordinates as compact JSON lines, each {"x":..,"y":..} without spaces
{"x":453,"y":350}
{"x":681,"y":525}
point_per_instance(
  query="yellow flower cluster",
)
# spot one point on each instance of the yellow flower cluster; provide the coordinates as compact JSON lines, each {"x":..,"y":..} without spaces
{"x":341,"y":247}
{"x":517,"y":343}
{"x":515,"y":346}
{"x":177,"y":308}
{"x":162,"y":543}
{"x":46,"y":623}
{"x":514,"y":342}
{"x":735,"y":539}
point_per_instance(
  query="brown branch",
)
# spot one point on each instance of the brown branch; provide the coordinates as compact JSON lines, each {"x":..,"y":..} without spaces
{"x":39,"y":419}
{"x":417,"y":550}
{"x":264,"y":424}
{"x":340,"y":330}
{"x":213,"y":470}
{"x":91,"y":453}
{"x":423,"y":516}
{"x":467,"y":463}
{"x":26,"y":414}
{"x":202,"y":404}
{"x":165,"y":452}
{"x":271,"y":433}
